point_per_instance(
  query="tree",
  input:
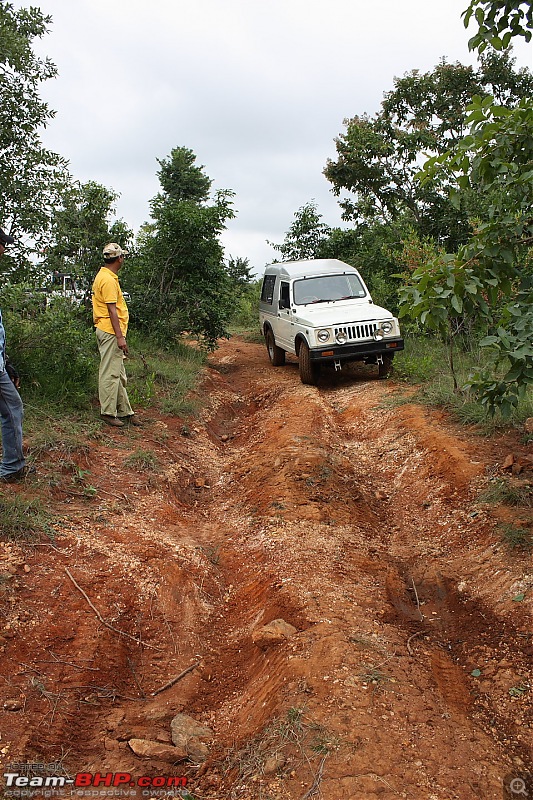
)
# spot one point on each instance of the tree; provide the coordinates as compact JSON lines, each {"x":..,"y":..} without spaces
{"x":305,"y":236}
{"x":32,"y":177}
{"x":487,"y":277}
{"x":80,"y":227}
{"x":239,"y":272}
{"x":178,"y":280}
{"x":379,"y":158}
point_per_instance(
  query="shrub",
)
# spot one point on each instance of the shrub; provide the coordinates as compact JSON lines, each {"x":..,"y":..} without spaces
{"x":54,"y":348}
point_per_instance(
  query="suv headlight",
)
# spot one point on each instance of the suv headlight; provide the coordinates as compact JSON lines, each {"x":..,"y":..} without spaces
{"x":341,"y":337}
{"x":323,"y":335}
{"x":384,"y":329}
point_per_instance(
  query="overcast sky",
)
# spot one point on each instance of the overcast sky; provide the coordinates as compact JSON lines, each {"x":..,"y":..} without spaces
{"x":258,"y":89}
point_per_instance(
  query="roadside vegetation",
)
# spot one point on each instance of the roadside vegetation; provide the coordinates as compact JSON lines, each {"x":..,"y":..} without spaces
{"x":424,"y":364}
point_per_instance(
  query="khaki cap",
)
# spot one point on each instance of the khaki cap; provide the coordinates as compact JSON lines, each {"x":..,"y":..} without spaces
{"x":114,"y":250}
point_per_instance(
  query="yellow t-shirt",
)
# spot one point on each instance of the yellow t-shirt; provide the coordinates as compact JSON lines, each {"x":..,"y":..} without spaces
{"x":106,"y":289}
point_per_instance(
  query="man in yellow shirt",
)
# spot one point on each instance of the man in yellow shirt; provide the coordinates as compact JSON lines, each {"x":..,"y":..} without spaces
{"x":110,"y":315}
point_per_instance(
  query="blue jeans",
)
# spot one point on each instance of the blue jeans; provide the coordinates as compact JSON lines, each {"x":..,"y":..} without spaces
{"x":11,"y":415}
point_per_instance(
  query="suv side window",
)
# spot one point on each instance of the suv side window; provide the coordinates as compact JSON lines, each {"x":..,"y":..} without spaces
{"x":267,"y":292}
{"x":284,"y":297}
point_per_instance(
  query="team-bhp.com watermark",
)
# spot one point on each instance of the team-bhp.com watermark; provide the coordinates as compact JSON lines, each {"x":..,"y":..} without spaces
{"x":24,"y":780}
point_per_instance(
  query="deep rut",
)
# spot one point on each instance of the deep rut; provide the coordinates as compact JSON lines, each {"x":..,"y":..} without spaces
{"x":357,"y":511}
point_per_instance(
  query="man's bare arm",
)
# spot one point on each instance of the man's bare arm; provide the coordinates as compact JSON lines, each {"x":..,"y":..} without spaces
{"x":113,"y":316}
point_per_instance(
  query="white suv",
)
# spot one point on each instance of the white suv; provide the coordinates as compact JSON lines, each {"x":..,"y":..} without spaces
{"x":322,"y":312}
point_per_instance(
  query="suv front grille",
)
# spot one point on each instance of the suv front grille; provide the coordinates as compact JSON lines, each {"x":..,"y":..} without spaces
{"x":356,"y":332}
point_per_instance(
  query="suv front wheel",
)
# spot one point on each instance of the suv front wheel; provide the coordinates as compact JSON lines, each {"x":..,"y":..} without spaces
{"x":385,"y":368}
{"x":275,"y":353}
{"x":308,"y":371}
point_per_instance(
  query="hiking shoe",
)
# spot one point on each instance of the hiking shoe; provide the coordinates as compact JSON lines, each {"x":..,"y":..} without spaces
{"x":133,"y":419}
{"x":113,"y":421}
{"x":19,"y":475}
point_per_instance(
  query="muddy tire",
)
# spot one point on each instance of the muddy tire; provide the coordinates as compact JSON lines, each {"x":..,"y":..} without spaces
{"x":308,"y":371}
{"x":275,"y":353}
{"x":385,"y":369}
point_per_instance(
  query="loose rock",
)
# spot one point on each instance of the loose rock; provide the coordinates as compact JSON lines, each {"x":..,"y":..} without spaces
{"x":275,"y":632}
{"x":145,"y":748}
{"x":273,"y":763}
{"x":189,"y":735}
{"x":13,"y":705}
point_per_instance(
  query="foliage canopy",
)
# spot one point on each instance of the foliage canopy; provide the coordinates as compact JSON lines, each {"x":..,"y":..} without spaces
{"x":498,"y":22}
{"x":378,"y":158}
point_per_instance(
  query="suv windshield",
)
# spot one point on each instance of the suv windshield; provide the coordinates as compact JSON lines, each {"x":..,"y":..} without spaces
{"x":327,"y":287}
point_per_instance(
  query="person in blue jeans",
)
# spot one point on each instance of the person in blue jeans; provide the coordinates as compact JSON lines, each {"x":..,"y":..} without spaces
{"x":13,"y":465}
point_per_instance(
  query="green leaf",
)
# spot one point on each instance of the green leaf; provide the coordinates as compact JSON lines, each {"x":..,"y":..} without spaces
{"x":476,"y":673}
{"x":519,"y":597}
{"x":457,"y":304}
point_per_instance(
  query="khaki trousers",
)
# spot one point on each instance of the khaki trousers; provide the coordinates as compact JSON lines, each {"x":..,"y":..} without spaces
{"x":112,"y":379}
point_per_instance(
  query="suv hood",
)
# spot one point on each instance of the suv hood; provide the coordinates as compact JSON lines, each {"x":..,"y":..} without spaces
{"x":323,"y":315}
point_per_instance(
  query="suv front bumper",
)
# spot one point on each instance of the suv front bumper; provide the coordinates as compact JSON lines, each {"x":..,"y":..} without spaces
{"x":356,"y":352}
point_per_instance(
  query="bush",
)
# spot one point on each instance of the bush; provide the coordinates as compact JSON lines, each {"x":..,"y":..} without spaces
{"x":246,"y":309}
{"x":425,"y":362}
{"x":53,"y":349}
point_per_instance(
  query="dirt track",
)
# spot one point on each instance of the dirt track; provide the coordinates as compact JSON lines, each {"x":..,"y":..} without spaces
{"x":354,"y":519}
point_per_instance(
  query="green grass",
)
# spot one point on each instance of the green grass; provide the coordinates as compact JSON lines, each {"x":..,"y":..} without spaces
{"x":142,"y":461}
{"x":165,"y":379}
{"x":292,"y":741}
{"x":374,"y":675}
{"x":249,"y":333}
{"x":56,"y":428}
{"x":22,"y":520}
{"x":504,"y":491}
{"x":517,"y":538}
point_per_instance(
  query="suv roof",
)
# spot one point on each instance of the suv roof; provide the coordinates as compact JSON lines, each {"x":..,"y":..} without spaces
{"x":307,"y":268}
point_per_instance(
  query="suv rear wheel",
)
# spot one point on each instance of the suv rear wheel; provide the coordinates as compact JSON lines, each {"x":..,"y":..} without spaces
{"x":275,"y":353}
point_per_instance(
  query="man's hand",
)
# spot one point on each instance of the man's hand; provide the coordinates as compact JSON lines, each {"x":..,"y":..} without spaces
{"x":13,"y":373}
{"x":121,"y":341}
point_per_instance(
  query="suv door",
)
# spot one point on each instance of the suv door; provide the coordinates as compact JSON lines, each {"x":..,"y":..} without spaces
{"x":284,"y":325}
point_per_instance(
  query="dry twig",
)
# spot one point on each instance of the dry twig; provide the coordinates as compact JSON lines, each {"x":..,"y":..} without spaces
{"x":314,"y":788}
{"x":410,"y":639}
{"x":107,"y":624}
{"x":176,"y":679}
{"x":417,"y":600}
{"x":132,"y":670}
